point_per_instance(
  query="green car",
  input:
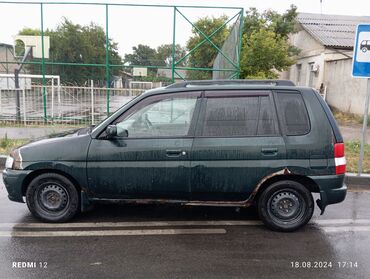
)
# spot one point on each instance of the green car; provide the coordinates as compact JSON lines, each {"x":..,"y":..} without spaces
{"x":207,"y":143}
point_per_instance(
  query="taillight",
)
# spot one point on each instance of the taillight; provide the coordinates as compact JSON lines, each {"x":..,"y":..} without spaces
{"x":340,"y":159}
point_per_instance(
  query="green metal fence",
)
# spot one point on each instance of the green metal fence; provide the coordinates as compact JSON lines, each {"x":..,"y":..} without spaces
{"x":227,"y":64}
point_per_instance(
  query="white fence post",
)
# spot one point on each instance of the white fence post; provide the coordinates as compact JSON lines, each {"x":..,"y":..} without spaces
{"x":24,"y":106}
{"x":52,"y":99}
{"x":92,"y":102}
{"x":58,"y":92}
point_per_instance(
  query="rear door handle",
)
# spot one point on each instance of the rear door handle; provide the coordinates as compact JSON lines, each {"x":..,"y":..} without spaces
{"x":175,"y":153}
{"x":269,"y":151}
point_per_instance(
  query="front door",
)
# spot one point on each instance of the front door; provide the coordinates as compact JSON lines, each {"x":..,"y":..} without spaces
{"x":154,"y":160}
{"x":237,"y":144}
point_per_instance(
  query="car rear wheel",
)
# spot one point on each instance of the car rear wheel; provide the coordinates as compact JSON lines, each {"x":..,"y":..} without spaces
{"x":52,"y":197}
{"x":364,"y":49}
{"x":285,"y":206}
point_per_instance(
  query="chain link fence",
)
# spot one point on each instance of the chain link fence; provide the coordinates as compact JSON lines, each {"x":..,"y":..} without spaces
{"x":228,"y":57}
{"x":67,"y":105}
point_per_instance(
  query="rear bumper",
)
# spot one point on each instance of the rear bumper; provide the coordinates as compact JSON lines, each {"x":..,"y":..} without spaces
{"x":13,"y":180}
{"x":332,"y":189}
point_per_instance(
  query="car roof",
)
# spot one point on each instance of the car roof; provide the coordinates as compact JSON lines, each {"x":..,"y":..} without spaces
{"x":239,"y":82}
{"x":206,"y":85}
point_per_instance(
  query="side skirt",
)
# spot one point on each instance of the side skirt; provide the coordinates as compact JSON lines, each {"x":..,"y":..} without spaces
{"x":181,"y":202}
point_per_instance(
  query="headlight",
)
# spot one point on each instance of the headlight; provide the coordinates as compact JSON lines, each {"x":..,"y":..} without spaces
{"x":9,"y":162}
{"x":14,"y":160}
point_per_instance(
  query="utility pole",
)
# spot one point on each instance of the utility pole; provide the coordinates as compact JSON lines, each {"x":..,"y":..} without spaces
{"x":361,"y":69}
{"x":364,"y":129}
{"x":17,"y":96}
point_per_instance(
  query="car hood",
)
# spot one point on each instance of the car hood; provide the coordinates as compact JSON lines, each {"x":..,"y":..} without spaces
{"x":69,"y":145}
{"x":68,"y":133}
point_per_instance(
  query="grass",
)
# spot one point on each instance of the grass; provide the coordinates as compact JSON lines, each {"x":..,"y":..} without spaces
{"x":353,"y":147}
{"x":345,"y":118}
{"x":6,"y":144}
{"x":352,"y":151}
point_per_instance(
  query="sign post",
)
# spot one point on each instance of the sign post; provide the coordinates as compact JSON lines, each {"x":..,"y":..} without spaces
{"x":361,"y":69}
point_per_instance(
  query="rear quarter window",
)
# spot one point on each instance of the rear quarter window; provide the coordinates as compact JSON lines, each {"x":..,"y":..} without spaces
{"x":293,"y":113}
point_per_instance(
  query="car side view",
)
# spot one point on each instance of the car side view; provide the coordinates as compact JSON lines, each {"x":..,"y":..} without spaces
{"x":202,"y":143}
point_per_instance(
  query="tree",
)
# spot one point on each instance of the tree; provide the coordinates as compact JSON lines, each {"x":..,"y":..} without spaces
{"x":265,"y":54}
{"x":164,"y":55}
{"x":73,"y":43}
{"x":266,"y":49}
{"x":205,"y":55}
{"x":144,"y":55}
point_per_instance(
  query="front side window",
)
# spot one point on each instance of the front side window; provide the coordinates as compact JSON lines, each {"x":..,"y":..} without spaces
{"x":159,"y":117}
{"x":239,"y":116}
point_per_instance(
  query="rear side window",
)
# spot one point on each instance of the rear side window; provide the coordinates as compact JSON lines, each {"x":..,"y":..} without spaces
{"x":293,"y":113}
{"x":239,"y":116}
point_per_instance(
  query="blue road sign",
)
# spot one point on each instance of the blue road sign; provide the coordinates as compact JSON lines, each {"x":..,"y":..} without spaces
{"x":361,"y":57}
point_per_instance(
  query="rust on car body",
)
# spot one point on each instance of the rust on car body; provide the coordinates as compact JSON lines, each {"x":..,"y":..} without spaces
{"x":246,"y":203}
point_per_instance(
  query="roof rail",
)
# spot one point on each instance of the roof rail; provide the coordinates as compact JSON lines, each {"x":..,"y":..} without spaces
{"x":190,"y":83}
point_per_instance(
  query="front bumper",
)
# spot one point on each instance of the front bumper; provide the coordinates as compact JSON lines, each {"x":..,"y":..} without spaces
{"x":13,"y":180}
{"x":332,"y":189}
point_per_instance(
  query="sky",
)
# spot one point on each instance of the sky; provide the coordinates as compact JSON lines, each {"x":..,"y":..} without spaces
{"x":130,"y":26}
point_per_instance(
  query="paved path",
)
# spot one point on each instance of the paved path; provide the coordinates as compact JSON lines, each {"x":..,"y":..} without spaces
{"x":354,"y":132}
{"x":28,"y":132}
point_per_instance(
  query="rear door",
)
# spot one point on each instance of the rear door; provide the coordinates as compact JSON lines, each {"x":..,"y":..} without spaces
{"x":237,"y":143}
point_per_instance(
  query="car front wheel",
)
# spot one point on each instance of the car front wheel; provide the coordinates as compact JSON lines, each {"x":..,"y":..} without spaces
{"x":285,"y":206}
{"x":52,"y":197}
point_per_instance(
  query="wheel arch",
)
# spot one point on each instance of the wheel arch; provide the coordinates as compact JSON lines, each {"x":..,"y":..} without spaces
{"x":307,"y":182}
{"x":34,"y":174}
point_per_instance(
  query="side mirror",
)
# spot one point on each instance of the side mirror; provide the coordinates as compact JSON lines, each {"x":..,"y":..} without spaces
{"x":114,"y":131}
{"x":111,"y":131}
{"x":122,"y":133}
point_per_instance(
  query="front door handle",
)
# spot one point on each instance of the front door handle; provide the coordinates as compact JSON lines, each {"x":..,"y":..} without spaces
{"x":269,"y":151}
{"x":175,"y":153}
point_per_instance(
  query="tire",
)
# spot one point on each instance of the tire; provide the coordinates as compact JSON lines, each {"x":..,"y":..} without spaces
{"x":364,"y":49}
{"x":53,"y":198}
{"x":285,"y":206}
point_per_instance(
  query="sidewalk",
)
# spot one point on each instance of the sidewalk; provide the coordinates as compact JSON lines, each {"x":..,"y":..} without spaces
{"x":29,"y":132}
{"x":354,"y":132}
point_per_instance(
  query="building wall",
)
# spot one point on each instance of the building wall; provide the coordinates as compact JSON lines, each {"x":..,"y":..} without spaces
{"x":334,"y":71}
{"x":343,"y":91}
{"x":308,"y":45}
{"x":6,"y":55}
{"x":311,"y":54}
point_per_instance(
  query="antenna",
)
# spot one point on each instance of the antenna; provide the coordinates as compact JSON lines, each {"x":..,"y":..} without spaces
{"x":321,"y":6}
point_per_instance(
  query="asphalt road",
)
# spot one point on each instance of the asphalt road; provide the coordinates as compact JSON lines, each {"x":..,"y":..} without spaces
{"x":115,"y":241}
